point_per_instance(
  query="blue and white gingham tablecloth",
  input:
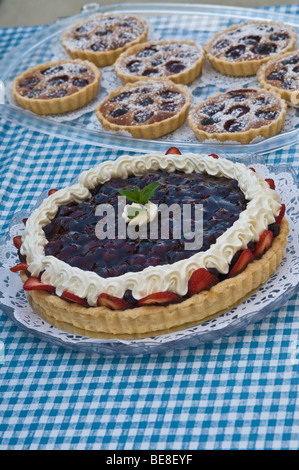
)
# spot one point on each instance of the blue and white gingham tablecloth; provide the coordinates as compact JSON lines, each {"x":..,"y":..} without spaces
{"x":240,"y":392}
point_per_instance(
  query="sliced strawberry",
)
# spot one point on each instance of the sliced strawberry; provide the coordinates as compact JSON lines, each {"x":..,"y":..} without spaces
{"x":214,"y":155}
{"x":17,"y":241}
{"x":270,"y":183}
{"x":173,"y":150}
{"x":25,"y":220}
{"x":250,"y":168}
{"x":159,"y":298}
{"x":263,"y":244}
{"x":115,"y":303}
{"x":33,"y":283}
{"x":200,"y":280}
{"x":280,"y":216}
{"x":73,"y":298}
{"x":245,"y":257}
{"x":19,"y":267}
{"x":52,"y":191}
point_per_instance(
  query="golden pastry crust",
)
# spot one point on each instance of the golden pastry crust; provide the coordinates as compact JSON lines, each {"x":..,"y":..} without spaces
{"x":158,"y":127}
{"x":290,"y":95}
{"x":187,"y":75}
{"x":74,"y":99}
{"x":102,"y":58}
{"x":150,"y":320}
{"x":250,"y":132}
{"x":243,"y":67}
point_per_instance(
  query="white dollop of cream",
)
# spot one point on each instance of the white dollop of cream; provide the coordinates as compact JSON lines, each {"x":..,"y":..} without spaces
{"x":146,"y":213}
{"x":264,"y":205}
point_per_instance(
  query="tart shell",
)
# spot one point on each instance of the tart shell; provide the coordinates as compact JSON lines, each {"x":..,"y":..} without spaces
{"x":183,"y":78}
{"x":149,"y":320}
{"x":246,"y":67}
{"x":288,"y":95}
{"x":148,"y":131}
{"x":63,"y":104}
{"x":244,"y":137}
{"x":102,"y":58}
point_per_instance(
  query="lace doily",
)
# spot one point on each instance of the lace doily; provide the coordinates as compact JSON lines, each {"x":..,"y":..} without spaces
{"x":270,"y":296}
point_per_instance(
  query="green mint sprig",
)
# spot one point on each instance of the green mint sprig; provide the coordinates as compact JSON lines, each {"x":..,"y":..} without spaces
{"x":140,"y":197}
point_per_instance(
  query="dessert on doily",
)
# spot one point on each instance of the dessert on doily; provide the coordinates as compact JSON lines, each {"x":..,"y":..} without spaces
{"x":282,"y":76}
{"x":239,"y":115}
{"x":241,"y":49}
{"x":147,"y":109}
{"x":142,"y":285}
{"x":57,"y":87}
{"x":102,"y":38}
{"x":180,"y":60}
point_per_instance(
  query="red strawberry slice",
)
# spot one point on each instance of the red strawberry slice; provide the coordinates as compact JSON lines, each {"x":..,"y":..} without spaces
{"x":25,"y":220}
{"x":214,"y":155}
{"x":33,"y":283}
{"x":250,"y":168}
{"x":115,"y":303}
{"x":263,"y":244}
{"x":173,"y":150}
{"x":17,"y":241}
{"x":270,"y":183}
{"x":159,"y":298}
{"x":73,"y":298}
{"x":52,"y":191}
{"x":245,"y":257}
{"x":200,"y":280}
{"x":280,"y":216}
{"x":19,"y":267}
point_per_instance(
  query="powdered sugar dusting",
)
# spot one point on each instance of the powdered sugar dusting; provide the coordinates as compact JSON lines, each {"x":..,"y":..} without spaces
{"x":284,"y":72}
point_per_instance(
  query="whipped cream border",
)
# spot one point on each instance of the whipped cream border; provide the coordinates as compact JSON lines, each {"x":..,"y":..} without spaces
{"x":262,"y":208}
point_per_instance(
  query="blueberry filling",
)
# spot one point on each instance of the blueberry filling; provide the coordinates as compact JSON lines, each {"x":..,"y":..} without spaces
{"x":118,"y":112}
{"x":52,"y":70}
{"x":279,"y":37}
{"x":175,"y":66}
{"x":234,"y":126}
{"x":150,"y":72}
{"x":29,"y":82}
{"x":251,"y":40}
{"x":238,"y":111}
{"x":81,"y":82}
{"x":147,"y":52}
{"x":168,"y":94}
{"x":209,"y":121}
{"x":57,"y":81}
{"x":71,"y":234}
{"x":211,"y":109}
{"x":264,"y":114}
{"x":169,"y":106}
{"x":291,"y":60}
{"x":145,"y":101}
{"x":121,"y":97}
{"x":278,"y":74}
{"x":235,"y":52}
{"x":134,"y":67}
{"x":143,"y":116}
{"x":58,"y":93}
{"x":265,"y":49}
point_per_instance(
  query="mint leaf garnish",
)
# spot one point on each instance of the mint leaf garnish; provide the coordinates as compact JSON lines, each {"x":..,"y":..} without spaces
{"x":140,"y":197}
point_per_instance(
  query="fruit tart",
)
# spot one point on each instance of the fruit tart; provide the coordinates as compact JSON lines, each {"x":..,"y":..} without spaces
{"x":57,"y":87}
{"x":180,"y":61}
{"x":102,"y":38}
{"x":282,"y":76}
{"x":239,"y":115}
{"x":241,"y":49}
{"x":94,"y":256}
{"x":147,"y":109}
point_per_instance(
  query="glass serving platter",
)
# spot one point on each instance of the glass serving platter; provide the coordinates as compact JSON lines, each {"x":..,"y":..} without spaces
{"x":272,"y":295}
{"x":169,"y":21}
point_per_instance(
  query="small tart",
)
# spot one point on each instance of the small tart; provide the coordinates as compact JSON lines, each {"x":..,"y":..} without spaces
{"x":146,"y":109}
{"x":241,"y":49}
{"x":57,"y":87}
{"x":179,"y":61}
{"x":282,"y":76}
{"x":100,"y":286}
{"x":102,"y":38}
{"x":238,"y":115}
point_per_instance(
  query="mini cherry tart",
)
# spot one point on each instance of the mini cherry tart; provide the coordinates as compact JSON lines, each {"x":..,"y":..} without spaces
{"x":57,"y":87}
{"x":180,"y":61}
{"x":241,"y":49}
{"x":147,"y":109}
{"x":102,"y":38}
{"x":240,"y":115}
{"x":281,"y":75}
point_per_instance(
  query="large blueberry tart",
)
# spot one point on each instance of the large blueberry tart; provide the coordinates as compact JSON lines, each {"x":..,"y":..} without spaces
{"x":147,"y":109}
{"x":239,"y":115}
{"x":241,"y":49}
{"x":180,"y":61}
{"x":102,"y":38}
{"x":145,"y":284}
{"x":57,"y":87}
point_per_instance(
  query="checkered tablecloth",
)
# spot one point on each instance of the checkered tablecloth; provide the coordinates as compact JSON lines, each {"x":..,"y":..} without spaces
{"x":239,"y":392}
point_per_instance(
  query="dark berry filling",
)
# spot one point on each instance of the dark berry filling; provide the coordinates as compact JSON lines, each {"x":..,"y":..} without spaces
{"x":268,"y":115}
{"x":81,"y":82}
{"x":143,"y":116}
{"x":57,"y":81}
{"x":104,"y":32}
{"x":291,"y":60}
{"x":238,"y":111}
{"x":235,"y":52}
{"x":278,"y":74}
{"x":150,"y":72}
{"x":211,"y":109}
{"x":121,"y":97}
{"x":99,"y":46}
{"x":279,"y":36}
{"x":134,"y":66}
{"x":71,"y":234}
{"x":251,"y":40}
{"x":265,"y":48}
{"x":52,"y":70}
{"x":175,"y":66}
{"x":146,"y":52}
{"x":118,"y":112}
{"x":29,"y":82}
{"x":234,"y":126}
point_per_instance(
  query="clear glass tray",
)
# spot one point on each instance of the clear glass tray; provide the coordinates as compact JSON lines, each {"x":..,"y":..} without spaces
{"x":272,"y":295}
{"x":198,"y":22}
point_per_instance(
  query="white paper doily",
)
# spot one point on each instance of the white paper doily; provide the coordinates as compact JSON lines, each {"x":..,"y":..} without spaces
{"x":270,"y":296}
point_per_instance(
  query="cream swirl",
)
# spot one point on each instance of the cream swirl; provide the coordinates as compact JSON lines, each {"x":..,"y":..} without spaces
{"x":264,"y":205}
